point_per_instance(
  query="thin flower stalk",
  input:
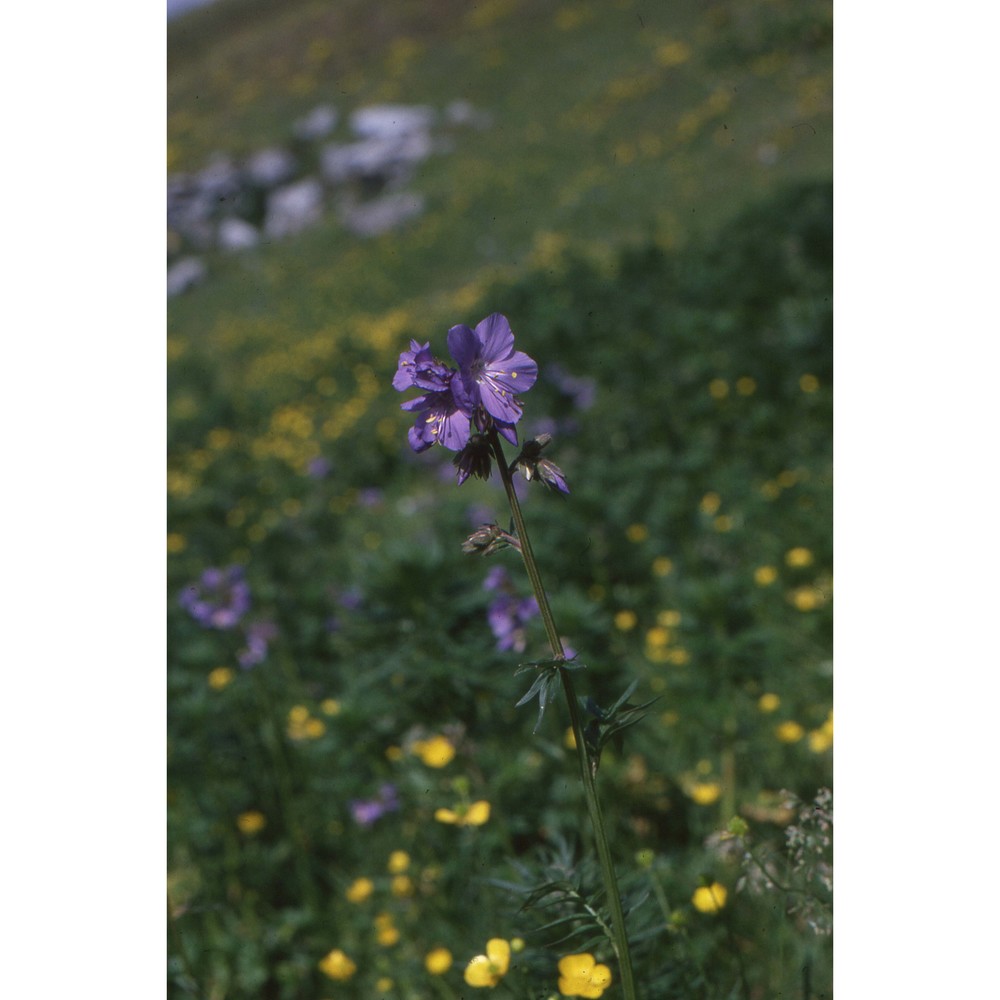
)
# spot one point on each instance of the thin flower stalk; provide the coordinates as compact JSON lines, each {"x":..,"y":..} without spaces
{"x":619,"y":935}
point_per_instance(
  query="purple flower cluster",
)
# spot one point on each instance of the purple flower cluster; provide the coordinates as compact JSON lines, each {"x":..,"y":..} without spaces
{"x":366,"y":811}
{"x":508,"y":614}
{"x":219,"y":599}
{"x":482,"y":390}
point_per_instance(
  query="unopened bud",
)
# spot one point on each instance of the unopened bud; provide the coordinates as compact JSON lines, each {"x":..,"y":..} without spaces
{"x":533,"y":466}
{"x":486,"y":539}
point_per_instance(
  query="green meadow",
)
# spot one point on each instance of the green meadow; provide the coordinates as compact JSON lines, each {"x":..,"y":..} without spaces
{"x":356,"y":803}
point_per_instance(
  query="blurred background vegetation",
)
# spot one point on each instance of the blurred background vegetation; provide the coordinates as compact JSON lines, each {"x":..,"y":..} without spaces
{"x":648,"y":199}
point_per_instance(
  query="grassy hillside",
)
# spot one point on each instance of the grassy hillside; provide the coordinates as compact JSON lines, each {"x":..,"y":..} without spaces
{"x":651,"y":207}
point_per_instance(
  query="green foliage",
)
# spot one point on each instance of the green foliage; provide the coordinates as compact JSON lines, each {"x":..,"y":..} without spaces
{"x":690,"y":568}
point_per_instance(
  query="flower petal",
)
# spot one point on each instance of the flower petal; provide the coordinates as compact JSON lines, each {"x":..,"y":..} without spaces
{"x":463,"y":344}
{"x":495,"y":336}
{"x":497,"y":948}
{"x":479,"y":972}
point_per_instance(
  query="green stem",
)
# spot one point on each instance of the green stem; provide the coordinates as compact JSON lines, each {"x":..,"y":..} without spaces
{"x":620,"y":939}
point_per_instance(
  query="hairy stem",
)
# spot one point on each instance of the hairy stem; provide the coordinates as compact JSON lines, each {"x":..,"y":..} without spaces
{"x":620,"y":938}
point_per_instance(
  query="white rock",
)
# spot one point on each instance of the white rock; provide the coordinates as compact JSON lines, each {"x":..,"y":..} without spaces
{"x":386,"y":158}
{"x":294,"y":208}
{"x":185,"y":274}
{"x":237,"y":234}
{"x":386,"y":121}
{"x":268,"y":168}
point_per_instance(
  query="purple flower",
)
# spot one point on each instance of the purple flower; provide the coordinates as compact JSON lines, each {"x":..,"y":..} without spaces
{"x":482,"y":390}
{"x":366,"y":811}
{"x":507,"y":613}
{"x":319,"y":467}
{"x":418,"y":367}
{"x":439,"y":420}
{"x":219,"y":600}
{"x":258,"y":635}
{"x":491,"y":372}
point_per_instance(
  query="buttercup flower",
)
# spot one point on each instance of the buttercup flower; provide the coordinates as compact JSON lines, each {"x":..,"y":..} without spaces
{"x":435,"y":752}
{"x":399,"y":861}
{"x":438,"y":961}
{"x":709,"y":898}
{"x":338,"y":966}
{"x":474,"y":815}
{"x":359,"y":890}
{"x":489,"y":969}
{"x":251,"y":822}
{"x":580,"y":976}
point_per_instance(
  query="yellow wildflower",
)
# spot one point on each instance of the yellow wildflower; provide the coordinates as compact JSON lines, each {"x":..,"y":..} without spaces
{"x":637,"y":532}
{"x":220,"y":677}
{"x":678,"y":657}
{"x":359,"y":890}
{"x":489,"y":969}
{"x":474,"y":815}
{"x":662,"y":565}
{"x":709,"y":898}
{"x":625,"y":620}
{"x":746,"y":386}
{"x":330,"y":706}
{"x":580,"y":976}
{"x":668,"y":619}
{"x":820,"y":740}
{"x":718,"y":388}
{"x":438,"y":751}
{"x":764,"y":576}
{"x":251,"y":822}
{"x":338,"y":966}
{"x":399,"y":861}
{"x":768,"y":702}
{"x":402,"y":886}
{"x":710,"y":503}
{"x":176,"y":543}
{"x":314,"y":728}
{"x":808,"y":383}
{"x":438,"y":961}
{"x":806,"y":598}
{"x":723,"y":523}
{"x":705,"y":792}
{"x":658,"y":637}
{"x":798,"y":556}
{"x":386,"y":933}
{"x":789,"y":732}
{"x":383,"y":985}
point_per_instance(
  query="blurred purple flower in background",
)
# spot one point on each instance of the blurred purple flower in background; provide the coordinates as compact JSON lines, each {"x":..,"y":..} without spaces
{"x":258,"y":635}
{"x":219,"y":600}
{"x":319,"y":467}
{"x":508,"y":614}
{"x":580,"y":389}
{"x":366,"y":811}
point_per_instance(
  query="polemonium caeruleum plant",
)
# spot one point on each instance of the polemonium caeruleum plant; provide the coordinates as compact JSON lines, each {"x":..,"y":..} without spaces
{"x":468,"y":408}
